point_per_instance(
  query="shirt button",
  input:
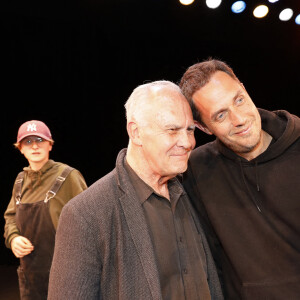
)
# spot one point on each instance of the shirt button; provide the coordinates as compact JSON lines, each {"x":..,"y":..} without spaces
{"x":185,"y":271}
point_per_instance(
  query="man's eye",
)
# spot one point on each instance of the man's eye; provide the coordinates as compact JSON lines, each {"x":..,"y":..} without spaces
{"x":220,"y":116}
{"x":172,"y":130}
{"x":240,"y":100}
{"x":191,"y":130}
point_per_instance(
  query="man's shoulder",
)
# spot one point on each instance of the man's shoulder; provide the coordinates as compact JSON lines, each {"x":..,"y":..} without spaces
{"x":56,"y":168}
{"x":204,"y":151}
{"x":101,"y":193}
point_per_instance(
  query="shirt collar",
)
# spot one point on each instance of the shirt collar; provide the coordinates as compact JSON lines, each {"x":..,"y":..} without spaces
{"x":144,"y":191}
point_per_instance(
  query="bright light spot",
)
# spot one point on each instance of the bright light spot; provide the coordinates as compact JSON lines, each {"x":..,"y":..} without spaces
{"x":286,"y":14}
{"x":273,"y":1}
{"x":186,"y":2}
{"x":260,"y":11}
{"x":238,"y":7}
{"x":213,"y":3}
{"x":297,"y":20}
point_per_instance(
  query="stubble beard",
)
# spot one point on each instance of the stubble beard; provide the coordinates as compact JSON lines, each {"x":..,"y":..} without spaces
{"x":239,"y":148}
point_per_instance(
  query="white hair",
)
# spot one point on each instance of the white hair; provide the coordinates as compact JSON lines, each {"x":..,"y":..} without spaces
{"x":141,"y":98}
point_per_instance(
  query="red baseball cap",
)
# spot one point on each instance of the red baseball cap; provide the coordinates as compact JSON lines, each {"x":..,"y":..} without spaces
{"x":36,"y":128}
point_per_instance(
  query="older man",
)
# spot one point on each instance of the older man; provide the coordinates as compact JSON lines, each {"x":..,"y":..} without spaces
{"x":245,"y":185}
{"x":133,"y":234}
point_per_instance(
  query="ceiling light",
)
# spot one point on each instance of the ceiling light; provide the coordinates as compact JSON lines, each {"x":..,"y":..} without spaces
{"x":213,"y":3}
{"x":186,"y":2}
{"x":260,"y":11}
{"x":238,"y":7}
{"x":286,"y":14}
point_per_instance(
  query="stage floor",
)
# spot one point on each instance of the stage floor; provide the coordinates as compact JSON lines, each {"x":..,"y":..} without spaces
{"x":9,"y":289}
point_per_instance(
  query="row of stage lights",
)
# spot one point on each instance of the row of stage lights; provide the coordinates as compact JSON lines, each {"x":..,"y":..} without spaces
{"x":259,"y":12}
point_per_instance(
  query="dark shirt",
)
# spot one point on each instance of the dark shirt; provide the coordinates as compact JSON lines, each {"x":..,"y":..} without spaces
{"x":178,"y":249}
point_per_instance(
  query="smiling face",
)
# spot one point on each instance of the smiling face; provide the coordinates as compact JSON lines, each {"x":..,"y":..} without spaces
{"x":36,"y":150}
{"x":228,"y":112}
{"x":168,"y":138}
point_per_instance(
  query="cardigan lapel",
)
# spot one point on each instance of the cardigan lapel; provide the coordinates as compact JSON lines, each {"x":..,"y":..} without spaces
{"x":137,"y":225}
{"x":140,"y":235}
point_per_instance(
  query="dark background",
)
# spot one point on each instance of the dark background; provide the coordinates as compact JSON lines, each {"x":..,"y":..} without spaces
{"x":73,"y":64}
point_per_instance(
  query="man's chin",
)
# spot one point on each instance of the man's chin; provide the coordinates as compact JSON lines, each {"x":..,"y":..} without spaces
{"x":241,"y":149}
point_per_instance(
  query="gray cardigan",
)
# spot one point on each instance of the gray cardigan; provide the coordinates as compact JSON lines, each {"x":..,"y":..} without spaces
{"x":103,"y":247}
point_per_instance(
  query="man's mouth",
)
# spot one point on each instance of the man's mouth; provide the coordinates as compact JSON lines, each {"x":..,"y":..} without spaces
{"x":244,"y":131}
{"x":182,"y":154}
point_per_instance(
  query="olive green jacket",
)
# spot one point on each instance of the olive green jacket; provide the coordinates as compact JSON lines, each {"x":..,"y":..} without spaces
{"x":34,"y":189}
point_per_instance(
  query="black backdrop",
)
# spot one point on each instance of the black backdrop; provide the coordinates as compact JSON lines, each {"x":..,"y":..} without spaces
{"x":73,"y":64}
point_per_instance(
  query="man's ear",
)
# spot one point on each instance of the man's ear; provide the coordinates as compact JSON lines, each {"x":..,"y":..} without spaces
{"x":202,"y":127}
{"x":134,"y":133}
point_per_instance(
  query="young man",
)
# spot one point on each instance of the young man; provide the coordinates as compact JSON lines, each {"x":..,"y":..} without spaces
{"x":245,"y":185}
{"x":133,"y":234}
{"x":39,"y":194}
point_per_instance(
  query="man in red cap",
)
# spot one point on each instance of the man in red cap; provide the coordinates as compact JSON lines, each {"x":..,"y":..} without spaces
{"x":38,"y":196}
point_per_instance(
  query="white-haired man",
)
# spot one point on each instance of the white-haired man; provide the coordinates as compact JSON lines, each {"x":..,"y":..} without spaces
{"x":133,"y":234}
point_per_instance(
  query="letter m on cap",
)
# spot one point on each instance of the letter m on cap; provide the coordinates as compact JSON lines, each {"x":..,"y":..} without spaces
{"x":31,"y":127}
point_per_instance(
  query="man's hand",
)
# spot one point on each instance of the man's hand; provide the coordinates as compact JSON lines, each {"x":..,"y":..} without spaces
{"x":21,"y":246}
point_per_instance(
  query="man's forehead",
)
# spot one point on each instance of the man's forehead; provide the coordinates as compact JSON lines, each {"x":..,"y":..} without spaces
{"x":219,"y":87}
{"x":175,"y":117}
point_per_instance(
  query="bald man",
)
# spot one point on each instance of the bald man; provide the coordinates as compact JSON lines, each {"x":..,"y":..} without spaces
{"x":133,"y":234}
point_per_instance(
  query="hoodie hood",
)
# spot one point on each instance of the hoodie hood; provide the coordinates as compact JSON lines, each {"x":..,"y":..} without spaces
{"x":281,"y":125}
{"x":250,"y":211}
{"x":284,"y":129}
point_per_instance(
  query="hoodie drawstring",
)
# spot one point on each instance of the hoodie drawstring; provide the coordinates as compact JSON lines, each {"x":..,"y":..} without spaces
{"x":256,"y":177}
{"x":247,"y":187}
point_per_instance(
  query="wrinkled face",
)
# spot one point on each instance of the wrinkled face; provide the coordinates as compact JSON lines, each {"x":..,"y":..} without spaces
{"x":168,"y":138}
{"x":229,"y":113}
{"x":35,"y":149}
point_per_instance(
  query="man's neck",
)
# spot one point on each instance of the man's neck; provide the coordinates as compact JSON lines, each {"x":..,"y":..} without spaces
{"x":157,"y":182}
{"x":36,"y":166}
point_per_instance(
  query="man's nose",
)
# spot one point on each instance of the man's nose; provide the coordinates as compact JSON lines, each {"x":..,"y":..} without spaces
{"x":34,"y":144}
{"x":237,"y":119}
{"x":186,"y":140}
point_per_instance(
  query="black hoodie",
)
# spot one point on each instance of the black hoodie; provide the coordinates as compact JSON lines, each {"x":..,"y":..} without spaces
{"x":251,"y":211}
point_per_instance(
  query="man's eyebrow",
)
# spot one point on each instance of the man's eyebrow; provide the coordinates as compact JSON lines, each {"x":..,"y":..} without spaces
{"x":238,"y":93}
{"x":176,"y":127}
{"x":172,"y":126}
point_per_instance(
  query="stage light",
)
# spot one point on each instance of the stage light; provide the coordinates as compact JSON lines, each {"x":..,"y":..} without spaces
{"x":286,"y":14}
{"x":260,"y":11}
{"x":213,"y":3}
{"x":238,"y":7}
{"x":186,"y":2}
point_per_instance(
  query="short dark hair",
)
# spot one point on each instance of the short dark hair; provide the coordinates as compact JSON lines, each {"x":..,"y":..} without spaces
{"x":197,"y":76}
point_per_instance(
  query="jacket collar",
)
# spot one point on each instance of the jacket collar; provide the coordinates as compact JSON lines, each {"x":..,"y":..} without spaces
{"x":137,"y":225}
